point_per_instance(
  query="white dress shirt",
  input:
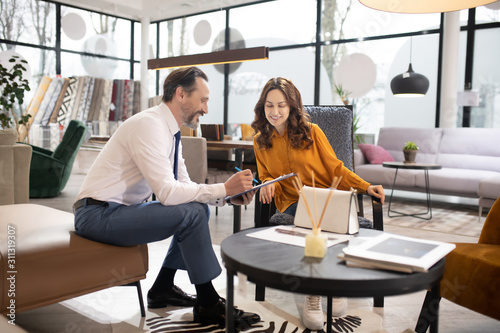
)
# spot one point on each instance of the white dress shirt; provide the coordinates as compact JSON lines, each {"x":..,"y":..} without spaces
{"x":138,"y":160}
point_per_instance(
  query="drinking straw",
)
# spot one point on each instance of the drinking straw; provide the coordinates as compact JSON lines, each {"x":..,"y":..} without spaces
{"x":295,"y":184}
{"x":314,"y":196}
{"x":299,"y":179}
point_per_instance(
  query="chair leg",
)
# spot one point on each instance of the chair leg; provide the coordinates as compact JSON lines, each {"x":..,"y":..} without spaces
{"x":137,"y":284}
{"x":378,"y":214}
{"x":378,"y":302}
{"x":260,"y":293}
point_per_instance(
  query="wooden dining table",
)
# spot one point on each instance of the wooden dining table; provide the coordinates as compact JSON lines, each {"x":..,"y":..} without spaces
{"x":238,"y":146}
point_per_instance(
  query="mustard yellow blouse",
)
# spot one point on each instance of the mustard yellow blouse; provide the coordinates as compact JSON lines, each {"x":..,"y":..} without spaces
{"x":282,"y":159}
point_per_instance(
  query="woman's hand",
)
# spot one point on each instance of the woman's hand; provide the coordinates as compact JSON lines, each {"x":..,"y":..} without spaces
{"x":267,"y":194}
{"x":376,"y":191}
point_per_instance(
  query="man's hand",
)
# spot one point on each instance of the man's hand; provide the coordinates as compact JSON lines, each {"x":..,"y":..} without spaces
{"x":377,"y":191}
{"x":244,"y":199}
{"x":267,"y":194}
{"x":239,"y":182}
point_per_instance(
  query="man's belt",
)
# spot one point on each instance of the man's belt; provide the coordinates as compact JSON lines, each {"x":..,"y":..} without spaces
{"x":86,"y":202}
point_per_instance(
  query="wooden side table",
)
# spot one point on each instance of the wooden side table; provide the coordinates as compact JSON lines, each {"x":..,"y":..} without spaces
{"x":414,"y":166}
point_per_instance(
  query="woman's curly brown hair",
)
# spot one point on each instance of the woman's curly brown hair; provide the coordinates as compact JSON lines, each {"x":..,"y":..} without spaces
{"x":298,"y":126}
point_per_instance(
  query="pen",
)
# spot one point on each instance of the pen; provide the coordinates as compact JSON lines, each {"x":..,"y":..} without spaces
{"x":254,"y":180}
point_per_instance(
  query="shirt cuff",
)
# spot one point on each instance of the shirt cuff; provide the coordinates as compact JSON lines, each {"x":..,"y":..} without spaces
{"x":218,"y":195}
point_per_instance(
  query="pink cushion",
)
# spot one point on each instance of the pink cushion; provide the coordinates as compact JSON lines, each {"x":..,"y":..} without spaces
{"x":375,"y":154}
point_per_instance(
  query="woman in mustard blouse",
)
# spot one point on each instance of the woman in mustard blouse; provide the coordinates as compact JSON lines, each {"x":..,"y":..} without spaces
{"x":287,"y":142}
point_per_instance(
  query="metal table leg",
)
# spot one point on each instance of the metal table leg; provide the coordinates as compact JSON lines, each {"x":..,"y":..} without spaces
{"x":429,"y":314}
{"x":427,"y":196}
{"x":329,"y":310}
{"x":238,"y":157}
{"x":229,"y":302}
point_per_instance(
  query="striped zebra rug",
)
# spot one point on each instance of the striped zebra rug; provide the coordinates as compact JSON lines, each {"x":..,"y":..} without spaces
{"x":272,"y":320}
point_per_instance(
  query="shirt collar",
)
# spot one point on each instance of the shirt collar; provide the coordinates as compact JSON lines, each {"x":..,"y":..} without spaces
{"x":167,"y":117}
{"x":276,"y":134}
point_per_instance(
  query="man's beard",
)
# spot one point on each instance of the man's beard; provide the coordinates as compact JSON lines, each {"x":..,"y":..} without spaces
{"x":190,"y":120}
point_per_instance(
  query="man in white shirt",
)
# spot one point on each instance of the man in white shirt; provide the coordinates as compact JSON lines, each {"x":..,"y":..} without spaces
{"x":140,"y":159}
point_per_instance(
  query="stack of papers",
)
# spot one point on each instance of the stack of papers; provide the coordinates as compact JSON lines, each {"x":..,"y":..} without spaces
{"x":396,"y":253}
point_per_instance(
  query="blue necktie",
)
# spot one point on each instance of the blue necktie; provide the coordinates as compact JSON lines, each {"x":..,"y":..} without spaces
{"x":177,"y":137}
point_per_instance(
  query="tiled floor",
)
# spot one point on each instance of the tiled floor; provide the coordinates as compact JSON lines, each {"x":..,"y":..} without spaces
{"x":116,"y":310}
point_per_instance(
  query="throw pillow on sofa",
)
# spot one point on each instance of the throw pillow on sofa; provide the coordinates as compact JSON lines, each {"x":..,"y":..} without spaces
{"x":375,"y":154}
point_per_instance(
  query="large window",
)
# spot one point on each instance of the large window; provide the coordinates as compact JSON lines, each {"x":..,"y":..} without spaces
{"x":486,"y":79}
{"x":361,"y":50}
{"x":277,"y":22}
{"x":195,"y":34}
{"x":108,"y":46}
{"x":92,"y":44}
{"x":350,"y":19}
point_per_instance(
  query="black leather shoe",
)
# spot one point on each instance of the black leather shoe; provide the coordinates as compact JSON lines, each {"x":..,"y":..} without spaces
{"x":216,"y":314}
{"x":174,"y":296}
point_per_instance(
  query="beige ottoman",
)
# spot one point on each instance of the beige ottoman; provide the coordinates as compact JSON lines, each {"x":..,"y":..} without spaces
{"x":43,"y":260}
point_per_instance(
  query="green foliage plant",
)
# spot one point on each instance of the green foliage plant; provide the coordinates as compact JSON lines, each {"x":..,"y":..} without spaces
{"x":410,"y":145}
{"x":13,"y":85}
{"x":343,"y":94}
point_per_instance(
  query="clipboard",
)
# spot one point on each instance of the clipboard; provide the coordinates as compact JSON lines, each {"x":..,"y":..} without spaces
{"x":255,"y":188}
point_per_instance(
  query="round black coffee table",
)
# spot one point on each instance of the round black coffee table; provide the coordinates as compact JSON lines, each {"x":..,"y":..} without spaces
{"x":412,"y":166}
{"x":284,"y":267}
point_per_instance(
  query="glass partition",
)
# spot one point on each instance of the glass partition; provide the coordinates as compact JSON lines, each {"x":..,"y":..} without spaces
{"x":281,"y":22}
{"x":247,"y":81}
{"x":351,"y":19}
{"x":489,"y":13}
{"x":191,"y":35}
{"x":486,"y":79}
{"x":28,"y":21}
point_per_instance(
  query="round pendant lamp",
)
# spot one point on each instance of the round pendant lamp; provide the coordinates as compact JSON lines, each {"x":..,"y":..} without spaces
{"x":423,"y":6}
{"x":409,"y":84}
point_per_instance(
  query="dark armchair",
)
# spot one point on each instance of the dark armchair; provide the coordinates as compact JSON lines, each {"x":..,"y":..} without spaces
{"x":336,"y":123}
{"x":50,"y":171}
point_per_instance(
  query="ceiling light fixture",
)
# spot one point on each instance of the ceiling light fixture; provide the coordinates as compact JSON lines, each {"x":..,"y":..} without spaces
{"x":212,"y":58}
{"x":409,"y":84}
{"x":423,"y":6}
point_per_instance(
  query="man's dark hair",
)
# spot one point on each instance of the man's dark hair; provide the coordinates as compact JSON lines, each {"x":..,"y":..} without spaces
{"x":181,"y":77}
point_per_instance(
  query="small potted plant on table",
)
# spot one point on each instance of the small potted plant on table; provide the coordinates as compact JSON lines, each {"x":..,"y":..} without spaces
{"x":410,"y":152}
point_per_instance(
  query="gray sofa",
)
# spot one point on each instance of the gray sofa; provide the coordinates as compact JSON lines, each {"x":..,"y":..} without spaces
{"x":470,"y":159}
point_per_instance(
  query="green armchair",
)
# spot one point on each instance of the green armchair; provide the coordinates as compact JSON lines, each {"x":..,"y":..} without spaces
{"x":50,"y":171}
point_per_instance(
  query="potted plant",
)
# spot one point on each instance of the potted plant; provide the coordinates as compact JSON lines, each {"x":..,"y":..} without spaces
{"x":410,"y":151}
{"x":13,"y":85}
{"x":343,"y":94}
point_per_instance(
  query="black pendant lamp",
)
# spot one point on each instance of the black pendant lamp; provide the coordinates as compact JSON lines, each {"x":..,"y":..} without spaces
{"x":409,"y":84}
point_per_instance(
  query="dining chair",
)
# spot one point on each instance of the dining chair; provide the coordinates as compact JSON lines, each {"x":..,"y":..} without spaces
{"x":247,"y":134}
{"x":194,"y":152}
